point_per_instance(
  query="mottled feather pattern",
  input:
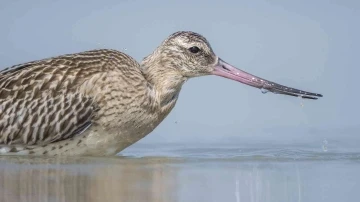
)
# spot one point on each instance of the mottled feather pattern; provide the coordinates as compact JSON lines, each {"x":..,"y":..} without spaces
{"x":50,"y":100}
{"x":44,"y":120}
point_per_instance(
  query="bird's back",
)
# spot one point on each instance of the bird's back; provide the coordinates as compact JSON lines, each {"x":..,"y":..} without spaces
{"x":50,"y":100}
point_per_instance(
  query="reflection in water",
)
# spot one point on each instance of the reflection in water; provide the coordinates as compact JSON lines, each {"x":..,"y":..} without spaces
{"x":64,"y":180}
{"x":173,"y":179}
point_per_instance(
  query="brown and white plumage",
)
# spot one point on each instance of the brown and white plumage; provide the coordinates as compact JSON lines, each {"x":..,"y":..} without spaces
{"x":52,"y":100}
{"x":101,"y":101}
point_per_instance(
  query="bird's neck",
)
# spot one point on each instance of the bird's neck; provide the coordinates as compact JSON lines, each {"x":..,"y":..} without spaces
{"x":164,"y":83}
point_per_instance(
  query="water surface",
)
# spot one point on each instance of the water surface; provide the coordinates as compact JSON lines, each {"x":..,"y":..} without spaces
{"x":184,"y":173}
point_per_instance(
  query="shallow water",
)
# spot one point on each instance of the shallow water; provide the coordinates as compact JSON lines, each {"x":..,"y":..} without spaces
{"x":184,"y":173}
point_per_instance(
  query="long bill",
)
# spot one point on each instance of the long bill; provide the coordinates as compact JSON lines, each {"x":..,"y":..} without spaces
{"x":226,"y":70}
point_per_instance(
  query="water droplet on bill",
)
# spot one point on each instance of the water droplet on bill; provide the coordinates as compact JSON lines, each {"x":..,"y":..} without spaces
{"x":263,"y":90}
{"x":301,"y":103}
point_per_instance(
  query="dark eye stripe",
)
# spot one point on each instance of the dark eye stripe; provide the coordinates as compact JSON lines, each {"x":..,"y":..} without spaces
{"x":194,"y":49}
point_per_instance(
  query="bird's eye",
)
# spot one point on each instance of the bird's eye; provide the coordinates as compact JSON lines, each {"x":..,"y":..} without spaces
{"x":194,"y":49}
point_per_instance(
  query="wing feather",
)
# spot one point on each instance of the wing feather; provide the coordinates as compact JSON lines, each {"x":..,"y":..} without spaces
{"x":46,"y":119}
{"x":40,"y":101}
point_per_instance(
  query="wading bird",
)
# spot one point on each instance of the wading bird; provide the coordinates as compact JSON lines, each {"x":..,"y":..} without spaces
{"x":99,"y":102}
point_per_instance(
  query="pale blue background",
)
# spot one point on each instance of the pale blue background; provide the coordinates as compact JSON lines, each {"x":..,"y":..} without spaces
{"x":311,"y":45}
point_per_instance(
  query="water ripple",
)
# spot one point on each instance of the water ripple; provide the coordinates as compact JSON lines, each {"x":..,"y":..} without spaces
{"x":249,"y":154}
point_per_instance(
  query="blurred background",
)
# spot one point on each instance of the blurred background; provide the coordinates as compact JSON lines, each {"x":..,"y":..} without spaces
{"x":310,"y":45}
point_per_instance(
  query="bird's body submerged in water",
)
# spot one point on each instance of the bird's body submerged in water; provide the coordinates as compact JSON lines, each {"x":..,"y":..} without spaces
{"x":99,"y":102}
